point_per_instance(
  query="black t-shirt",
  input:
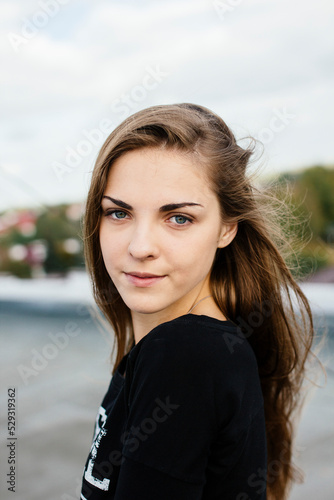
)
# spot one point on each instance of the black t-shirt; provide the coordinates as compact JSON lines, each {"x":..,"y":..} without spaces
{"x":186,"y":422}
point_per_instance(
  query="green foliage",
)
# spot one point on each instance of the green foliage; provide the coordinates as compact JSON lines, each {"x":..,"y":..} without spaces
{"x":312,"y":203}
{"x":17,"y":268}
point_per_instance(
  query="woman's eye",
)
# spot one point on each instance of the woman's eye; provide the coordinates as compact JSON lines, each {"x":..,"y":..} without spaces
{"x":180,"y":219}
{"x":117,"y":214}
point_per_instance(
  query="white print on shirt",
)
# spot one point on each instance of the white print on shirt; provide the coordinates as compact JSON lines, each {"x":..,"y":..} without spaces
{"x":100,"y":421}
{"x":99,"y":433}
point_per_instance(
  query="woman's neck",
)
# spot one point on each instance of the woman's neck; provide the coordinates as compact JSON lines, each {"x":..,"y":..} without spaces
{"x":144,"y":323}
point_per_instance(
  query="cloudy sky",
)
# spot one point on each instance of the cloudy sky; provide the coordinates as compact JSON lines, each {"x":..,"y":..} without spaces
{"x":71,"y":70}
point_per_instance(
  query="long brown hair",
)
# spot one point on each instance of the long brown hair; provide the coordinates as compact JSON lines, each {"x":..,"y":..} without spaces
{"x":250,"y":280}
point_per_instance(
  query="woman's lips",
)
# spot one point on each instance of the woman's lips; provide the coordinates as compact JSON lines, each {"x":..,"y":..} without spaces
{"x":143,"y":280}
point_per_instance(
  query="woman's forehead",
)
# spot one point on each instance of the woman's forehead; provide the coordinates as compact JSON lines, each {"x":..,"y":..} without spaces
{"x":157,"y":173}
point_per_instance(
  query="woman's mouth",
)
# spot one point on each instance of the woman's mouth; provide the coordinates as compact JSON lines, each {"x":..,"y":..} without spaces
{"x":143,"y":280}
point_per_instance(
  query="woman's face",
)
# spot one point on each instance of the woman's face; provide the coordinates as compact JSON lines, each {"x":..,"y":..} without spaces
{"x":160,"y":230}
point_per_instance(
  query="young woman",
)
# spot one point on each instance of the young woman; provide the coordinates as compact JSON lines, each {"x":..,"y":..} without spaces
{"x":210,"y":349}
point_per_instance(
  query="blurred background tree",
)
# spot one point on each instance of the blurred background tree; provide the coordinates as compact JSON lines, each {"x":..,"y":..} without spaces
{"x":311,"y":200}
{"x":47,"y":241}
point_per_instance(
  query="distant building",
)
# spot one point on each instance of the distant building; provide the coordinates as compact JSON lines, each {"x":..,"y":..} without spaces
{"x":23,"y":221}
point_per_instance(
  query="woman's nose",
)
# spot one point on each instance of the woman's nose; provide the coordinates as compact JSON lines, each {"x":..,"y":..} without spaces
{"x":143,"y":244}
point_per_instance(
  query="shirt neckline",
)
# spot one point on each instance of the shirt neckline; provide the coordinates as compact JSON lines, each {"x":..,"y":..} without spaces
{"x":208,"y":319}
{"x":199,"y":318}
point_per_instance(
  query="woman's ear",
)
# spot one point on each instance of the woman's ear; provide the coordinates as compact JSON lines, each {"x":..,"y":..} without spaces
{"x":227,"y":234}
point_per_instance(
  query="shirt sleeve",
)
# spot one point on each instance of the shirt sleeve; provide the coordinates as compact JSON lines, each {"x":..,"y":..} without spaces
{"x":183,"y":397}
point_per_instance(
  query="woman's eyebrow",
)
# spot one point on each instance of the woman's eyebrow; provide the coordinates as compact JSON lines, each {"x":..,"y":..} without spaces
{"x":165,"y":208}
{"x":175,"y":206}
{"x":120,"y":203}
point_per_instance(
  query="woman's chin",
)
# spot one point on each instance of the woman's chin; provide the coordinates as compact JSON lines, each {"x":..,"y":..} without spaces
{"x":148,"y":308}
{"x":142,"y":308}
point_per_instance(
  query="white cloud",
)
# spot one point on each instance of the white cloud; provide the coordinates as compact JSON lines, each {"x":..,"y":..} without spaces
{"x":263,"y":55}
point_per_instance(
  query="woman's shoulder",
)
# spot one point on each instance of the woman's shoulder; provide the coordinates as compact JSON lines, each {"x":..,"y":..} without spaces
{"x":198,"y":358}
